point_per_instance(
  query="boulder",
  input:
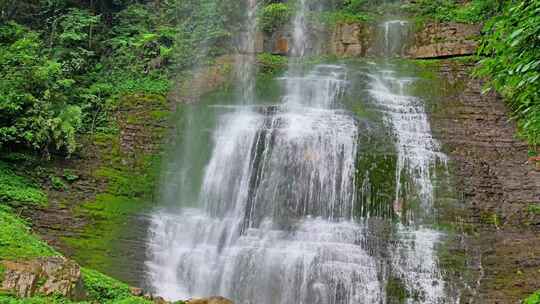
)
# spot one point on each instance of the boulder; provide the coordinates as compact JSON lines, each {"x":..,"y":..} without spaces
{"x":440,"y":40}
{"x":211,"y":300}
{"x":48,"y":275}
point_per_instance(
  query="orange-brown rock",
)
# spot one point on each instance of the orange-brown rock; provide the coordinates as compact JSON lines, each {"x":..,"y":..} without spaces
{"x":351,"y":39}
{"x":281,"y":46}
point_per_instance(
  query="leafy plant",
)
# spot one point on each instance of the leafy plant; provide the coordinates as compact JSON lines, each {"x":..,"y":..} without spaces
{"x":274,"y":15}
{"x":512,"y":63}
{"x":70,"y":175}
{"x":57,"y":183}
{"x":474,"y":11}
{"x":270,"y":63}
{"x":533,"y":299}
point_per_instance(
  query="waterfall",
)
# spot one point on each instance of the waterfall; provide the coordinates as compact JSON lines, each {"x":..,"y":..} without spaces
{"x":278,"y":219}
{"x":245,"y":62}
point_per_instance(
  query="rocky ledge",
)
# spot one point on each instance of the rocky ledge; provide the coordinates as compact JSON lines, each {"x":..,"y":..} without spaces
{"x":440,"y":40}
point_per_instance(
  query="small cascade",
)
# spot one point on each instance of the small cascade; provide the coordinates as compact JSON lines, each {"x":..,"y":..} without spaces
{"x":306,"y":90}
{"x":418,"y":152}
{"x":394,"y":34}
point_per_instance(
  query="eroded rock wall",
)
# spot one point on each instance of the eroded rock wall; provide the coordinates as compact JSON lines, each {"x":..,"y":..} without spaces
{"x":497,"y":181}
{"x":440,"y":40}
{"x":351,"y":39}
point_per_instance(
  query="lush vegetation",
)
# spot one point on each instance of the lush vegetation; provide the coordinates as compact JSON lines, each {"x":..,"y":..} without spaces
{"x":18,"y":242}
{"x":512,"y":62}
{"x":474,"y":11}
{"x":65,"y":68}
{"x":274,"y":16}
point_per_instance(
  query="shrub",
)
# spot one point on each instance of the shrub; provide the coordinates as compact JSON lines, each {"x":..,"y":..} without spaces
{"x":274,"y":15}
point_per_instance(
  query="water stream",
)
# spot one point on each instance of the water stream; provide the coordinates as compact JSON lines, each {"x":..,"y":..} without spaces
{"x":279,"y":216}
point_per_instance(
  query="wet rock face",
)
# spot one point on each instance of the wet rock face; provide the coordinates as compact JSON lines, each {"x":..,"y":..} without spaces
{"x":497,"y":181}
{"x":439,"y":40}
{"x":351,"y":39}
{"x":52,"y":275}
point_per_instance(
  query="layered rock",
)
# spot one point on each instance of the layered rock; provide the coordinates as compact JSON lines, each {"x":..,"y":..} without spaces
{"x":499,"y":184}
{"x":351,"y":39}
{"x":46,"y":276}
{"x":440,"y":40}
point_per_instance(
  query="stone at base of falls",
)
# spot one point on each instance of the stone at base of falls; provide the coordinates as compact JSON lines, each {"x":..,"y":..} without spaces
{"x":211,"y":300}
{"x":47,"y":276}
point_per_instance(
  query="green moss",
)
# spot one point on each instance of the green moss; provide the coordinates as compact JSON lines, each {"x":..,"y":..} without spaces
{"x":9,"y":299}
{"x":129,"y":178}
{"x":490,"y":218}
{"x":533,"y":299}
{"x":396,"y":291}
{"x":18,"y":190}
{"x":17,"y":241}
{"x":160,"y":115}
{"x":534,"y":208}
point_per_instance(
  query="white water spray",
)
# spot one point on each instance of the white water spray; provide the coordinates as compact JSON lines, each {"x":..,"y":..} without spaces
{"x":277,"y":220}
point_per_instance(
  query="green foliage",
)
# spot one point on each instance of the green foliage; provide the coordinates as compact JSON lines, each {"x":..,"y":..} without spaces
{"x":17,"y":241}
{"x":341,"y":16}
{"x":533,"y":299}
{"x":15,"y":189}
{"x":57,"y":183}
{"x":274,"y":15}
{"x":8,"y":299}
{"x":353,"y":6}
{"x":34,"y":108}
{"x":271,"y":64}
{"x":70,"y":175}
{"x":513,"y":63}
{"x":474,"y":11}
{"x":102,"y":288}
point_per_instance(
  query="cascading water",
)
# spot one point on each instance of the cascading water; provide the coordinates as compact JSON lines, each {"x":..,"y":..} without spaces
{"x":278,"y":219}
